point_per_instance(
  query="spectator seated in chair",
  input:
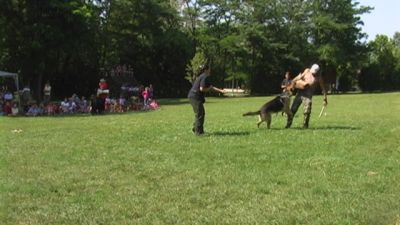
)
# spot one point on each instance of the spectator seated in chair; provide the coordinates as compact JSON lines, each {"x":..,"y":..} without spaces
{"x":153,"y":105}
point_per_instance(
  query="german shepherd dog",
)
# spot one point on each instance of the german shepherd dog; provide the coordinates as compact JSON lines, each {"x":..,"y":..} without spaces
{"x":278,"y":104}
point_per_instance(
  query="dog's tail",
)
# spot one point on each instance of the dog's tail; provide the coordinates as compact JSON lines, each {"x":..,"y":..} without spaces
{"x":252,"y":113}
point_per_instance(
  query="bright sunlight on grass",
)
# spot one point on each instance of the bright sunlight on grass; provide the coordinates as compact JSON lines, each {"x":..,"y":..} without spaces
{"x":148,"y":168}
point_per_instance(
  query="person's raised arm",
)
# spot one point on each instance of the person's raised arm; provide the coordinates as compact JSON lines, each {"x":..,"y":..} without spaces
{"x":301,"y":75}
{"x":211,"y":88}
{"x":217,"y":89}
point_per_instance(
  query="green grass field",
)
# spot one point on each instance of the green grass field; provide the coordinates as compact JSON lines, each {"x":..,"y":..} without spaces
{"x":148,"y":167}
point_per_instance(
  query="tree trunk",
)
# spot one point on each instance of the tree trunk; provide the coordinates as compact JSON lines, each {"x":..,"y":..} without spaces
{"x":38,"y":95}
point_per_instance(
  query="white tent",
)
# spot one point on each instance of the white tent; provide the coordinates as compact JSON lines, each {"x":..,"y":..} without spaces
{"x":13,"y":75}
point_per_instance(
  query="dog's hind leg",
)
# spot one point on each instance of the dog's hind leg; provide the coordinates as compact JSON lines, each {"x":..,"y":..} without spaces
{"x":260,"y":120}
{"x":268,"y":119}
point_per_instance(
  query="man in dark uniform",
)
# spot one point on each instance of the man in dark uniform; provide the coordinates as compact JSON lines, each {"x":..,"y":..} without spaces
{"x":197,"y":99}
{"x":306,"y":83}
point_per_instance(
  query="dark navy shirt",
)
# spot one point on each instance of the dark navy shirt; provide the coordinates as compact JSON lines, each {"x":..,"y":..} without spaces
{"x":195,"y":92}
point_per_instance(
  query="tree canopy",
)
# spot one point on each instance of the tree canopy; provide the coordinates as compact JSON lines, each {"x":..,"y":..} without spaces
{"x":252,"y":43}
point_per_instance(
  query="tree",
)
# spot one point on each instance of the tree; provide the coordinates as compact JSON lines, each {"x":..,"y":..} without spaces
{"x":146,"y":35}
{"x":41,"y":41}
{"x":382,"y":72}
{"x":336,"y":36}
{"x":247,"y":42}
{"x":192,"y":69}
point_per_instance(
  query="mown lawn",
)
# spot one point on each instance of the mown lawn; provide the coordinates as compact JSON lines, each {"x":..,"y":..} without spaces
{"x":148,"y":168}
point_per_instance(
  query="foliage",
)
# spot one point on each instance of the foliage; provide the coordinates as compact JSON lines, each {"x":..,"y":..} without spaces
{"x":382,"y":71}
{"x":192,"y":69}
{"x":50,"y":40}
{"x":251,"y":43}
{"x":146,"y":35}
{"x":149,"y":168}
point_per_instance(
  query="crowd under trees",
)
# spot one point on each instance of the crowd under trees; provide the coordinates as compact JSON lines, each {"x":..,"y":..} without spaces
{"x":247,"y":43}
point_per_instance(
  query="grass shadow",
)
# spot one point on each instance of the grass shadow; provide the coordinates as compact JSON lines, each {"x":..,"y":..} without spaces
{"x":181,"y":101}
{"x":172,"y":101}
{"x":328,"y":128}
{"x":230,"y":133}
{"x":104,"y":114}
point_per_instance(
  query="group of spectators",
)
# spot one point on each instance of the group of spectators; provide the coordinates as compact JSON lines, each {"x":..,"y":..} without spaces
{"x":139,"y":98}
{"x":7,"y":104}
{"x":98,"y":103}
